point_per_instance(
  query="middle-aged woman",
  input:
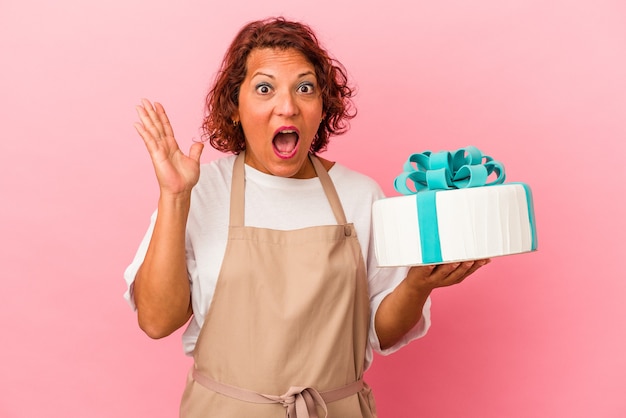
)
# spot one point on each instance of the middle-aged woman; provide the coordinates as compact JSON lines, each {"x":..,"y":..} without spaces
{"x":269,"y":250}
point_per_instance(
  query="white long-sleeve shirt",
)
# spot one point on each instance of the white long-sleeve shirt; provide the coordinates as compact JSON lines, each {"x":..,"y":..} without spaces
{"x":276,"y":203}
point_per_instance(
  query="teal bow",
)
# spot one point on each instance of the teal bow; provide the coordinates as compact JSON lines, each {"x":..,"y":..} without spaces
{"x":444,"y":170}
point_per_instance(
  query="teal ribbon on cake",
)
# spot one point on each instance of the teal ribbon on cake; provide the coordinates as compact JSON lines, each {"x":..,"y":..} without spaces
{"x":432,"y":172}
{"x":444,"y":170}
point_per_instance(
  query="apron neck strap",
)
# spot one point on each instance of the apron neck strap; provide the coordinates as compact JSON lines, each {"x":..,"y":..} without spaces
{"x":237,"y":194}
{"x":329,"y":189}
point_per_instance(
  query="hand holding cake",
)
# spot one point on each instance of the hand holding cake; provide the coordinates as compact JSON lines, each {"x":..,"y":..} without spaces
{"x":402,"y":309}
{"x":429,"y":277}
{"x":446,"y":227}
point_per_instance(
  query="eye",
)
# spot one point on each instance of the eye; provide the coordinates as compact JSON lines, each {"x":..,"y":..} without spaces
{"x":306,"y":88}
{"x":263,"y":88}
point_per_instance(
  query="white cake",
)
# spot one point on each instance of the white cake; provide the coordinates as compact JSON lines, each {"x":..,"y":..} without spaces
{"x":442,"y":226}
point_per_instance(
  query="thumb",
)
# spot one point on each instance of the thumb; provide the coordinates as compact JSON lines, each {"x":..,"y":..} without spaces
{"x":196,"y":150}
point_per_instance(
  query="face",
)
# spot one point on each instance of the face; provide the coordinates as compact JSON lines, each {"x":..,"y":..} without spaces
{"x":280,"y":110}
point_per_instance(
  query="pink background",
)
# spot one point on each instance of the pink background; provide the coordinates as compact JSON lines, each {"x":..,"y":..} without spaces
{"x":538,"y":85}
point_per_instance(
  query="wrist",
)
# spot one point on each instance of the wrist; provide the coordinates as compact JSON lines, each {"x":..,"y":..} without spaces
{"x":416,"y":283}
{"x":177,"y":198}
{"x":415,"y":290}
{"x":176,"y":203}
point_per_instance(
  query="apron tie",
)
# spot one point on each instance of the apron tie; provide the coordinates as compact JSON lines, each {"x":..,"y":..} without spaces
{"x":299,"y":401}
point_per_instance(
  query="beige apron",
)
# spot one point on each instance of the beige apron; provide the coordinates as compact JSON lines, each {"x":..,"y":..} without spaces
{"x":286,"y":331}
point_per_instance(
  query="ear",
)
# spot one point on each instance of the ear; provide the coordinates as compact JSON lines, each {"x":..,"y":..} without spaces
{"x":235,"y":117}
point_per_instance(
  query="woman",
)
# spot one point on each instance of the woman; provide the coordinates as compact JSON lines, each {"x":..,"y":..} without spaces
{"x":268,"y":251}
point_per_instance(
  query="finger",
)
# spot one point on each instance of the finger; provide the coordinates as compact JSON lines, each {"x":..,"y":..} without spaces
{"x":148,"y":140}
{"x":444,"y":270}
{"x":154,"y":121}
{"x":165,"y":122}
{"x":462,"y":273}
{"x":148,"y":122}
{"x":477,"y":264}
{"x":452,"y":273}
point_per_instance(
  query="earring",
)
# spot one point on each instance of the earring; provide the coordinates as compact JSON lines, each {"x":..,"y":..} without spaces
{"x":235,"y":123}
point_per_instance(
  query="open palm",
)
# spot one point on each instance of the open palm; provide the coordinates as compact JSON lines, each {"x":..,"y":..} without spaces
{"x":176,"y":172}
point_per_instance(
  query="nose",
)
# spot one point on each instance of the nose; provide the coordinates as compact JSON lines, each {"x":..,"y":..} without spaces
{"x":286,"y":104}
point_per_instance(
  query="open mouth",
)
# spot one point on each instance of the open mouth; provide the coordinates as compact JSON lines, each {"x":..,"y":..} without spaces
{"x":285,"y":142}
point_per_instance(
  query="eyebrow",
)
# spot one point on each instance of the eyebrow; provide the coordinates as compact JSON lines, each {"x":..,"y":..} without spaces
{"x":258,"y":73}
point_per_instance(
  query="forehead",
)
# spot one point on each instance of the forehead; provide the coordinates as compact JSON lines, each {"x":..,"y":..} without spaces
{"x":277,"y":60}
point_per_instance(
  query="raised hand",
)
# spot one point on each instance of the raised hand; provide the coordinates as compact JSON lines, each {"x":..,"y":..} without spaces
{"x":176,"y":172}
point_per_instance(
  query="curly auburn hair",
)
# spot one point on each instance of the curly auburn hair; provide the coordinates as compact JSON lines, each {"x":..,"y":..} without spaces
{"x":222,"y":100}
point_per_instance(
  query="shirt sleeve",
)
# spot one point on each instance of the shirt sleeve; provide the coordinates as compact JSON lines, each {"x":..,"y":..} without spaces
{"x":382,"y":282}
{"x":140,"y":255}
